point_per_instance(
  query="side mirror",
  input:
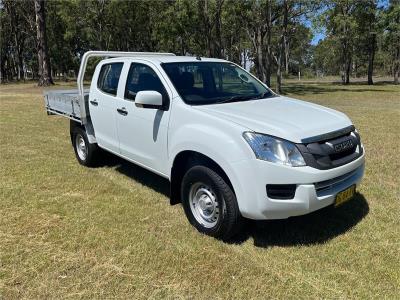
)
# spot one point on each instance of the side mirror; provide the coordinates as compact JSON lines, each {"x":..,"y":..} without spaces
{"x":149,"y":99}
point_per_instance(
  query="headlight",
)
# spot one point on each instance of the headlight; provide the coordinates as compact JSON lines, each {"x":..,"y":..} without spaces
{"x":274,"y":150}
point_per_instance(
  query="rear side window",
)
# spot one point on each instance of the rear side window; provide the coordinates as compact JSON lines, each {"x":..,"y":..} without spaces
{"x":109,"y":77}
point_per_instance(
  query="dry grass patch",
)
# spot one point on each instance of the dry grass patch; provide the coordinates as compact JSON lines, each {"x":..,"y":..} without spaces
{"x":71,"y":232}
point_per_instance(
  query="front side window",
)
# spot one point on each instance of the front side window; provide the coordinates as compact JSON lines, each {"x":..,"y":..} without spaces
{"x":142,"y":78}
{"x":201,"y":83}
{"x":109,"y":78}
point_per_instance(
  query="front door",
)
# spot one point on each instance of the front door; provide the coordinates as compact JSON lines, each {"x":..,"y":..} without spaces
{"x":142,"y":131}
{"x":102,"y":105}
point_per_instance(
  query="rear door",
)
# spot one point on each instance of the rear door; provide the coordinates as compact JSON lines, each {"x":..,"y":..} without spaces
{"x":102,"y":104}
{"x":142,"y":131}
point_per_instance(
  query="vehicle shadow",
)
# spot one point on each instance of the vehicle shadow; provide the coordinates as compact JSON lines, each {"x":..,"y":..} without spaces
{"x":137,"y":173}
{"x":315,"y":228}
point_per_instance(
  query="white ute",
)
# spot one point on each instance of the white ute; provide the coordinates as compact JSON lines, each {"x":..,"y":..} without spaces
{"x":230,"y":147}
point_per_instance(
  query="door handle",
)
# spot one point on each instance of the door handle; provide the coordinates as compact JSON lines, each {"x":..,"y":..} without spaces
{"x":122,"y":111}
{"x":94,"y":102}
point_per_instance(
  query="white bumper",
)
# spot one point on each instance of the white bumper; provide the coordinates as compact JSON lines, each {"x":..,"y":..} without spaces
{"x":250,"y":178}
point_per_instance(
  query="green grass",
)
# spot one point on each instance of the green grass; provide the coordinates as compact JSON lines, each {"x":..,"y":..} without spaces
{"x":71,"y":232}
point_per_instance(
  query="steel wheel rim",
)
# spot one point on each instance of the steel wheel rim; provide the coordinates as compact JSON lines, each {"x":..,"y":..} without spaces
{"x":81,"y":148}
{"x":204,"y":205}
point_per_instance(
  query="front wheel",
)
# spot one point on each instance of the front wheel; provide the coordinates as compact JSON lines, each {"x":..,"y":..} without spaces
{"x":209,"y":203}
{"x":84,"y":151}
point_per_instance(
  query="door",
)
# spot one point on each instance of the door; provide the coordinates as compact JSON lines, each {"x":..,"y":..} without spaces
{"x":142,"y":131}
{"x":102,"y":105}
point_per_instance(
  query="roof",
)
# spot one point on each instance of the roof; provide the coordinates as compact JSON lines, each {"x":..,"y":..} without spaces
{"x":167,"y":58}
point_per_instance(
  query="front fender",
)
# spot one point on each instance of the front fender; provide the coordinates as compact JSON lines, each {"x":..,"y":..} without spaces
{"x":217,"y":145}
{"x":212,"y":142}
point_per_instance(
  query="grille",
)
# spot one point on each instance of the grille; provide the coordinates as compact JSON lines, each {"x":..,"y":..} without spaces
{"x":331,"y":183}
{"x":336,"y":156}
{"x":333,"y":152}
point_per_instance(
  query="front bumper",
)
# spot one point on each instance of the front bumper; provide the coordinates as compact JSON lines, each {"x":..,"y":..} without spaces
{"x":315,"y":188}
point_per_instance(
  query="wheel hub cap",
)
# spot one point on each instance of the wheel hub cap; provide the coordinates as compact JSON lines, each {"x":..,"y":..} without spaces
{"x":204,"y":205}
{"x":81,"y":147}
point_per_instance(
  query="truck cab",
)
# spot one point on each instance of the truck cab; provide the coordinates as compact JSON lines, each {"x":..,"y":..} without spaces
{"x":230,"y":147}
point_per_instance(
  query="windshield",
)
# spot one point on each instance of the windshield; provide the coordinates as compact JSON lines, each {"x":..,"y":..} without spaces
{"x":201,"y":83}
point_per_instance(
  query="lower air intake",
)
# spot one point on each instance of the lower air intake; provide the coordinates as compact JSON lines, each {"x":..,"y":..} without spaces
{"x":281,"y":191}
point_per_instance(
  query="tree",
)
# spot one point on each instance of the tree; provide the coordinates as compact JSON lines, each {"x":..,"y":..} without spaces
{"x":300,"y":54}
{"x":234,"y":40}
{"x":340,"y":24}
{"x":391,"y":20}
{"x":282,"y":43}
{"x":16,"y":37}
{"x":268,"y":36}
{"x":210,"y":13}
{"x":259,"y":18}
{"x":325,"y":57}
{"x":18,"y":34}
{"x":45,"y":78}
{"x":288,"y":21}
{"x":366,"y":34}
{"x":5,"y":44}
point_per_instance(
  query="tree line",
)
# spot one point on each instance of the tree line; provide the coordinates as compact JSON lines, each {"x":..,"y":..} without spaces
{"x":43,"y":39}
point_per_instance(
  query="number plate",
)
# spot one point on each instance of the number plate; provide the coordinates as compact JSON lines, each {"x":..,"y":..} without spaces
{"x":345,"y":195}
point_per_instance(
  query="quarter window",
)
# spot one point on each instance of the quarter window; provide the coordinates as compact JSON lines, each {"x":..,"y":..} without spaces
{"x":109,"y":77}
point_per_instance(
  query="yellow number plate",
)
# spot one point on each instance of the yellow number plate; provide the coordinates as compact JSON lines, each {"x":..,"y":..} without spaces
{"x":345,"y":195}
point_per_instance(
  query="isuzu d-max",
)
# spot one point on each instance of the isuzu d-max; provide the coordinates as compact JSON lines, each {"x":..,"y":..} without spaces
{"x":230,"y":147}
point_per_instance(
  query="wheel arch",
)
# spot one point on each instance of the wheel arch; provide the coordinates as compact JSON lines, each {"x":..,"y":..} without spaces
{"x":182,"y":162}
{"x":88,"y":127}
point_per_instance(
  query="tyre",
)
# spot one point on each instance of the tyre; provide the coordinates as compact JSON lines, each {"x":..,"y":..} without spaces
{"x":85,"y":153}
{"x":209,"y":203}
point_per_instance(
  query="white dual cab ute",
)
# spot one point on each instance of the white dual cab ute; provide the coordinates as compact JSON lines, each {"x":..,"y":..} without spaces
{"x":230,"y":147}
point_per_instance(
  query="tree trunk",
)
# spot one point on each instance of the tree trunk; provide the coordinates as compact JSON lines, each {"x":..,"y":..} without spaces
{"x":281,"y":50}
{"x":207,"y":26}
{"x":279,"y":75}
{"x":14,"y":68}
{"x":20,"y":63}
{"x":260,"y":61}
{"x":287,"y":55}
{"x":348,"y":67}
{"x":218,"y":38}
{"x":257,"y":39}
{"x":267,"y":70}
{"x":43,"y":57}
{"x":182,"y":46}
{"x":343,"y":77}
{"x":396,"y":66}
{"x":2,"y":71}
{"x":268,"y":55}
{"x":371,"y":57}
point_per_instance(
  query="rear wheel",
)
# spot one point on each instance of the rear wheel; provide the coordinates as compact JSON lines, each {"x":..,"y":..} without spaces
{"x":209,"y":203}
{"x":85,"y":152}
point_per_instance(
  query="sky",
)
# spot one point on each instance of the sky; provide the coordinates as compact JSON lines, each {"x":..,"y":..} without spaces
{"x":317,"y":34}
{"x":317,"y":37}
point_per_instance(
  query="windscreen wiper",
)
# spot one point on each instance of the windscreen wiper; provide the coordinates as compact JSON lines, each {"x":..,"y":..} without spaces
{"x":238,"y":98}
{"x":263,"y":95}
{"x":245,"y":97}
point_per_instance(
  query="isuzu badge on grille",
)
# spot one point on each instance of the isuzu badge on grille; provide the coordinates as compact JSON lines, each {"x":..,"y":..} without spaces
{"x":343,"y":146}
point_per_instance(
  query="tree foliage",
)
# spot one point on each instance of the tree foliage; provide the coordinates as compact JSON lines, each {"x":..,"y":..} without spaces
{"x":267,"y":36}
{"x":357,"y":32}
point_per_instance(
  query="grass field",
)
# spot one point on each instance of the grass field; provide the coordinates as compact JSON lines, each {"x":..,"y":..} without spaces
{"x":71,"y":232}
